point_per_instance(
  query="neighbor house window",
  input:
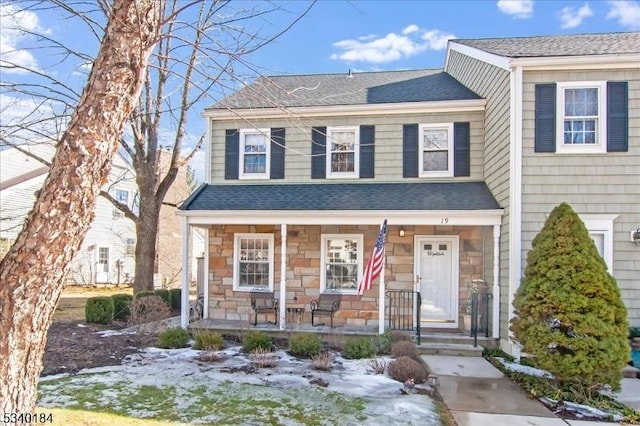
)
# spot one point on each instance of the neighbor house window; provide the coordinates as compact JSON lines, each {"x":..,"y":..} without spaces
{"x":341,"y":262}
{"x":121,"y":196}
{"x":255,"y":149}
{"x":436,"y":150}
{"x":581,"y":117}
{"x":342,"y":151}
{"x":253,"y":261}
{"x":131,"y":246}
{"x":103,"y":259}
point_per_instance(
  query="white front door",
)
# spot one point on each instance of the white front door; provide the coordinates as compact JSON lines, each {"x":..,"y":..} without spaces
{"x":103,"y":265}
{"x":437,"y":280}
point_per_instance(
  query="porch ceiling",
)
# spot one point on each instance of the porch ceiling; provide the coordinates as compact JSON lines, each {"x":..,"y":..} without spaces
{"x":450,"y":203}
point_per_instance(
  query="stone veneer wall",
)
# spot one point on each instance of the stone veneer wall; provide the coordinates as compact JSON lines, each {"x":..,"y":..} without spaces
{"x":303,"y":274}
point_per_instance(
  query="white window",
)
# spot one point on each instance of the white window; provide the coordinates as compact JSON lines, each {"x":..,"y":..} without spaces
{"x":121,"y":196}
{"x":103,"y":259}
{"x":255,"y":151}
{"x":343,"y":158}
{"x":600,"y":227}
{"x":253,"y":261}
{"x":436,"y":150}
{"x":341,"y":262}
{"x":131,"y":246}
{"x":581,"y":113}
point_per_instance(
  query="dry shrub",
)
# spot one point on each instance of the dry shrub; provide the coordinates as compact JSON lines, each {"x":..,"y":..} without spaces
{"x":378,"y":365}
{"x":400,"y":336}
{"x":263,"y":358}
{"x":405,"y":368}
{"x":208,"y":356}
{"x":404,"y":348}
{"x":322,"y":361}
{"x":147,"y":314}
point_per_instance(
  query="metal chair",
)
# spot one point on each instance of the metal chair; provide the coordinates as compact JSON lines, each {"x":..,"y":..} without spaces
{"x":263,"y":301}
{"x":327,"y":303}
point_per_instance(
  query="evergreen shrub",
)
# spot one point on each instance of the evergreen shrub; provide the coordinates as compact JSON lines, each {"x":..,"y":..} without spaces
{"x":163,"y":294}
{"x":144,"y":294}
{"x":358,"y":348}
{"x":256,"y":339}
{"x":208,"y":340}
{"x":175,"y":296}
{"x":121,"y":304}
{"x":99,"y":310}
{"x":173,"y":338}
{"x":305,"y":344}
{"x":570,"y":315}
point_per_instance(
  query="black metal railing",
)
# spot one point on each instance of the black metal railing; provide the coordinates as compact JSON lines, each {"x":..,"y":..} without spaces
{"x":480,"y":304}
{"x":403,"y":311}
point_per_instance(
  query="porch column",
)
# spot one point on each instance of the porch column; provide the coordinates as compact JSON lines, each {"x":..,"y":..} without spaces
{"x":205,"y":285}
{"x":184,"y":315}
{"x":283,"y":276}
{"x":496,"y":282}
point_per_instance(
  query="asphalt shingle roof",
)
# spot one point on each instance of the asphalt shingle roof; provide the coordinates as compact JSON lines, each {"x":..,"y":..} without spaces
{"x":562,"y":45}
{"x":344,"y":196}
{"x":348,"y":89}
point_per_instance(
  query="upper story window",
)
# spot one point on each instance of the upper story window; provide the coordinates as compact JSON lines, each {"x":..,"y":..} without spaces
{"x":121,"y":196}
{"x":253,"y":261}
{"x":341,"y":262}
{"x":436,"y":150}
{"x":342,"y":151}
{"x":254,"y":153}
{"x":581,"y":125}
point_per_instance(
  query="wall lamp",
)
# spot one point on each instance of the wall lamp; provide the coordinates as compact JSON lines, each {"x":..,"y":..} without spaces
{"x":401,"y":232}
{"x":635,"y":237}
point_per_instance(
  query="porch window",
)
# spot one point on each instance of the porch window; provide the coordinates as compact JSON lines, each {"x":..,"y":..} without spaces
{"x":341,"y":262}
{"x":253,"y":261}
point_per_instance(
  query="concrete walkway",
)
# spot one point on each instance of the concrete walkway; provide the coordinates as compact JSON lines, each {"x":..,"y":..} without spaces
{"x":478,"y":394}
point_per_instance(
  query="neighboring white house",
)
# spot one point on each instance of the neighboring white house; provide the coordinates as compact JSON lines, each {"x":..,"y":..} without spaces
{"x":107,"y":253}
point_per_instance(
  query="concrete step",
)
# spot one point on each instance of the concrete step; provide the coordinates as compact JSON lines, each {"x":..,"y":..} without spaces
{"x":455,"y":338}
{"x":449,"y":349}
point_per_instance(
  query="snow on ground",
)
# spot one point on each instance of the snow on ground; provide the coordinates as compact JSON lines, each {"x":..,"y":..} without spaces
{"x":518,"y":368}
{"x":292,"y":391}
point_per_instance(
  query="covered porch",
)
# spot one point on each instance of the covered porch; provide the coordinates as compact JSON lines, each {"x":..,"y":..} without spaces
{"x":299,"y":253}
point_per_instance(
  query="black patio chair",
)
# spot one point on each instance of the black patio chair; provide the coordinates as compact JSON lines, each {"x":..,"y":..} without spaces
{"x":264,"y":302}
{"x":327,"y":303}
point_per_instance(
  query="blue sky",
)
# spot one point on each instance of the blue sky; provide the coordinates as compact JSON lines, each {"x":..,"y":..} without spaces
{"x":335,"y":36}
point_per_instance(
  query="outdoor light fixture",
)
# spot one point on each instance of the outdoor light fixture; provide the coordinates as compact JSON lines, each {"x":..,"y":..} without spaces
{"x":635,"y":237}
{"x":401,"y":233}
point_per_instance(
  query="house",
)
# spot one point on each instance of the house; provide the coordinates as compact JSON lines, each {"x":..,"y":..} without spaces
{"x":464,"y":162}
{"x":107,"y":252}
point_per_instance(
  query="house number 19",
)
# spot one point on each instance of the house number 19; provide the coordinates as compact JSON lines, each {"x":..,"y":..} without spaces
{"x":444,"y":220}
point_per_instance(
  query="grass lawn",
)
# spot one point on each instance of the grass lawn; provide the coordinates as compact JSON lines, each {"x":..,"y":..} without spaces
{"x":67,"y":416}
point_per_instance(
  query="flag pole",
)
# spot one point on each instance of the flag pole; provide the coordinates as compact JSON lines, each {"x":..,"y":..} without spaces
{"x":381,"y":293}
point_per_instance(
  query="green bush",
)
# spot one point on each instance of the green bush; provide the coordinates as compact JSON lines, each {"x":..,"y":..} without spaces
{"x":405,"y":368}
{"x":144,"y":294}
{"x":256,"y":339}
{"x":173,"y":338}
{"x":570,"y":315}
{"x":175,"y":296}
{"x":361,"y":347}
{"x":305,"y":344}
{"x":208,"y":340}
{"x":121,"y":304}
{"x":404,"y":348}
{"x":164,"y":295}
{"x":99,"y":310}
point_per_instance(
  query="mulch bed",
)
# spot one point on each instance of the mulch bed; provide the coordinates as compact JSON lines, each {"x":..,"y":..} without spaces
{"x":74,"y":346}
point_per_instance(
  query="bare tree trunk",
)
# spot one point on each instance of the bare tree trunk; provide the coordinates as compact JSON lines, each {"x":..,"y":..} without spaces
{"x":146,"y":243}
{"x":31,"y":274}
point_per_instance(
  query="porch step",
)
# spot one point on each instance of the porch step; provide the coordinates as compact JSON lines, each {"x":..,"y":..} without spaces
{"x":456,"y":338}
{"x":449,"y":349}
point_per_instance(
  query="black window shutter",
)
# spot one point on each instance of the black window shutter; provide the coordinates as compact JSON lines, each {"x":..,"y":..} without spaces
{"x":277,"y":153}
{"x":231,"y":153}
{"x":367,"y":151}
{"x":318,"y":152}
{"x":545,"y":124}
{"x":617,"y":116}
{"x":410,"y":150}
{"x":461,"y":150}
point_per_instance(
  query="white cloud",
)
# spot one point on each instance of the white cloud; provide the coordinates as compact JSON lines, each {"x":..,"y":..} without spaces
{"x":627,"y":12}
{"x":16,"y":25}
{"x":571,"y":17}
{"x":392,"y":47}
{"x":521,"y":9}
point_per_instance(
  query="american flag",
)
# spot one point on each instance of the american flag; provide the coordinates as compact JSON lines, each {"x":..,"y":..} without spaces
{"x":374,"y":266}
